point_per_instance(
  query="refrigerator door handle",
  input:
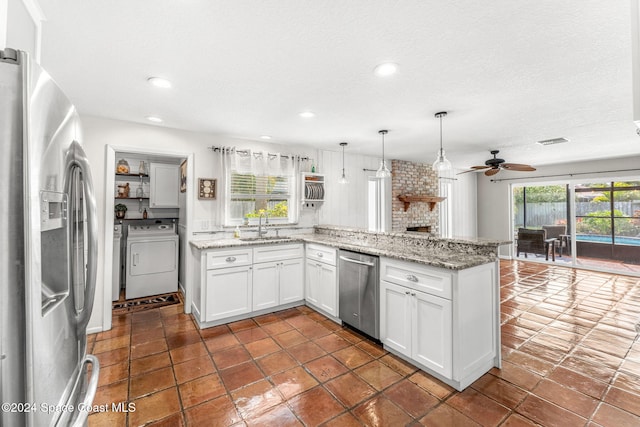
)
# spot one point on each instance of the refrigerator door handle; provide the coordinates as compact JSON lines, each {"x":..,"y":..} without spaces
{"x":81,"y":162}
{"x":81,"y":420}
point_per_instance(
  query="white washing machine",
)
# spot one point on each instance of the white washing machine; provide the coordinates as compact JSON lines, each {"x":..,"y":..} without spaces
{"x":152,"y":260}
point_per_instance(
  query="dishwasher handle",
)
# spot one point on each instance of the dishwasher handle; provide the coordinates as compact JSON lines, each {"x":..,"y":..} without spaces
{"x":355,"y":261}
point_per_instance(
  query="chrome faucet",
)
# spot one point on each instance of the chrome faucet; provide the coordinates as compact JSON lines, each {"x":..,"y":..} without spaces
{"x":266,"y":221}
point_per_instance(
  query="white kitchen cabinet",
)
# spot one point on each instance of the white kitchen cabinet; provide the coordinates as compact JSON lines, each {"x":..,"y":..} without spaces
{"x":266,"y":285}
{"x":164,"y":185}
{"x":417,"y":325}
{"x":395,"y":317}
{"x":291,"y":281}
{"x":321,"y":278}
{"x":444,"y":321}
{"x":244,"y":281}
{"x":276,"y":283}
{"x":228,"y":292}
{"x":432,"y":334}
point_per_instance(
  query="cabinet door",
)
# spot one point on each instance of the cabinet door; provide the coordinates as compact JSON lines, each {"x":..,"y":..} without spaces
{"x":432,"y":332}
{"x":164,"y":188}
{"x":265,"y":285}
{"x":395,"y":317}
{"x":228,"y":292}
{"x":328,"y":289}
{"x":312,"y":282}
{"x":291,"y":281}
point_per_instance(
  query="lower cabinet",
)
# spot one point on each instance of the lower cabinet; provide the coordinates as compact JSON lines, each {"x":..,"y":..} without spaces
{"x":291,"y":279}
{"x":444,"y":321}
{"x":246,"y":280}
{"x":322,"y":279}
{"x":228,"y":292}
{"x":417,"y":325}
{"x":277,"y":283}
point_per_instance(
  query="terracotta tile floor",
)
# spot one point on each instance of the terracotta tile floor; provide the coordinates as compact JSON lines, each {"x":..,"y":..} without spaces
{"x":570,"y":359}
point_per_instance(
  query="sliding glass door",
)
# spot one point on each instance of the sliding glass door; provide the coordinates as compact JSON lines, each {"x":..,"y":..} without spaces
{"x":588,"y":223}
{"x":608,"y":223}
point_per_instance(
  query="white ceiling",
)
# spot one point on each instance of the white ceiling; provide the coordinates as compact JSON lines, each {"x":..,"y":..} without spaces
{"x":508,"y":72}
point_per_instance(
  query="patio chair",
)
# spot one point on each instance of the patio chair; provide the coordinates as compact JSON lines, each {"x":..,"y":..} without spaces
{"x":534,"y":242}
{"x":558,"y":232}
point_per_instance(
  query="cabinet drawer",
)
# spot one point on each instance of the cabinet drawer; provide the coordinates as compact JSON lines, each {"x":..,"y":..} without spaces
{"x":229,"y":258}
{"x":417,"y":276}
{"x":321,"y":253}
{"x":277,"y":252}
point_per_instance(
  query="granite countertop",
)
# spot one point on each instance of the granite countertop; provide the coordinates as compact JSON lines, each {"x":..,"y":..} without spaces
{"x":448,"y":259}
{"x":475,"y":241}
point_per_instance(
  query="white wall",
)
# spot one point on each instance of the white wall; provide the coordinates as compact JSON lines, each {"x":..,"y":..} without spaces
{"x":463,"y":205}
{"x":345,"y":204}
{"x":100,"y":133}
{"x":20,"y":26}
{"x":494,"y":210}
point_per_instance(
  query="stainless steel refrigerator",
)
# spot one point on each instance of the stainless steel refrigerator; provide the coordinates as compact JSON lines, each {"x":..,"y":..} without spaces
{"x":48,"y":251}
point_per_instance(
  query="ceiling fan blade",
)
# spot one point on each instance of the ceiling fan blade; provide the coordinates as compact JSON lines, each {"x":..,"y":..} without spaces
{"x":474,"y":169}
{"x":518,"y":167}
{"x":492,"y":172}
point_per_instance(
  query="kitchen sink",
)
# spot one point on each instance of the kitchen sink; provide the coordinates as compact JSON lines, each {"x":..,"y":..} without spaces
{"x":260,"y":239}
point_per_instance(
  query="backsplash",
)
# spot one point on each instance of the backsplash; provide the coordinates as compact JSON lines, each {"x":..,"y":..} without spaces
{"x":415,"y":179}
{"x":413,"y":242}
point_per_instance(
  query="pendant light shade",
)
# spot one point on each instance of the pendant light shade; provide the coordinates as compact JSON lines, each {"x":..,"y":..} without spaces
{"x":343,"y":179}
{"x":441,"y":164}
{"x":383,"y":171}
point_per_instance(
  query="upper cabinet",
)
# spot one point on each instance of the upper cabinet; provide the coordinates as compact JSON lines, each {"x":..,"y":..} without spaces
{"x":164,"y":189}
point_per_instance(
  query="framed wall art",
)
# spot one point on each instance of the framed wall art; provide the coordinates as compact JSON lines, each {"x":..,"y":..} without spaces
{"x":206,"y":188}
{"x":183,"y":176}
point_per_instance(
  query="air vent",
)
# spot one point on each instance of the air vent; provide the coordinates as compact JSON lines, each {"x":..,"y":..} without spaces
{"x":553,"y":141}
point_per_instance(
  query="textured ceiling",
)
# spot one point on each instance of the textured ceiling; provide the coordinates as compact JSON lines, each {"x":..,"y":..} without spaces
{"x":508,"y":72}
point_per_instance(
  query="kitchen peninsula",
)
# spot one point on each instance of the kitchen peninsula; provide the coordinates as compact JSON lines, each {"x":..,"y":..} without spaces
{"x":438,"y":298}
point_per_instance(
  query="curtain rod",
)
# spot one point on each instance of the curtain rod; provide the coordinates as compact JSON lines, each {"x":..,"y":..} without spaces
{"x":245,"y":152}
{"x":562,"y":174}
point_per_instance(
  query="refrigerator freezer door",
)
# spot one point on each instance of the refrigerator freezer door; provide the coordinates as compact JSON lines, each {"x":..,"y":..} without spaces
{"x":59,"y":204}
{"x":12,"y":310}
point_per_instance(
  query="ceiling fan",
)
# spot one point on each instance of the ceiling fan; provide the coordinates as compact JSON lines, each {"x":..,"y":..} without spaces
{"x":494,"y":165}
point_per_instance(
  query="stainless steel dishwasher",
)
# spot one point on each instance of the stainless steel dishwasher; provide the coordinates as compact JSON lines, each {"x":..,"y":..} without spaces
{"x":359,"y":292}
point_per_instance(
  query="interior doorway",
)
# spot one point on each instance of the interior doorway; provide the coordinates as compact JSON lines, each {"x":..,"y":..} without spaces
{"x":183,"y":224}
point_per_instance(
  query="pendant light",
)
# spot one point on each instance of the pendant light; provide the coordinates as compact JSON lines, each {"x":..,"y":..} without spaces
{"x":441,"y":164}
{"x":343,"y":179}
{"x":383,"y":171}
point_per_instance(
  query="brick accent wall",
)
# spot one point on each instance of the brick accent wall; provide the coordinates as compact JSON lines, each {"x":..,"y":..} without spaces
{"x":414,"y":179}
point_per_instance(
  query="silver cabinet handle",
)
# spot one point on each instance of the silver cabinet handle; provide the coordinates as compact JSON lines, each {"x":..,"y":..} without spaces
{"x":407,"y":292}
{"x":319,"y":254}
{"x":231,"y":259}
{"x":413,"y":294}
{"x":412,"y":278}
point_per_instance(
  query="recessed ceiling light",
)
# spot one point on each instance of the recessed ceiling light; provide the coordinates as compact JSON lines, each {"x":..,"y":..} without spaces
{"x":553,"y":141}
{"x":265,"y":137}
{"x":159,"y":82}
{"x":307,"y":114}
{"x":385,"y":69}
{"x":154,"y":119}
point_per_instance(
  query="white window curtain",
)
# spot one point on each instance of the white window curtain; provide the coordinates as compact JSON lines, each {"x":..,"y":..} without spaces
{"x":245,"y":170}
